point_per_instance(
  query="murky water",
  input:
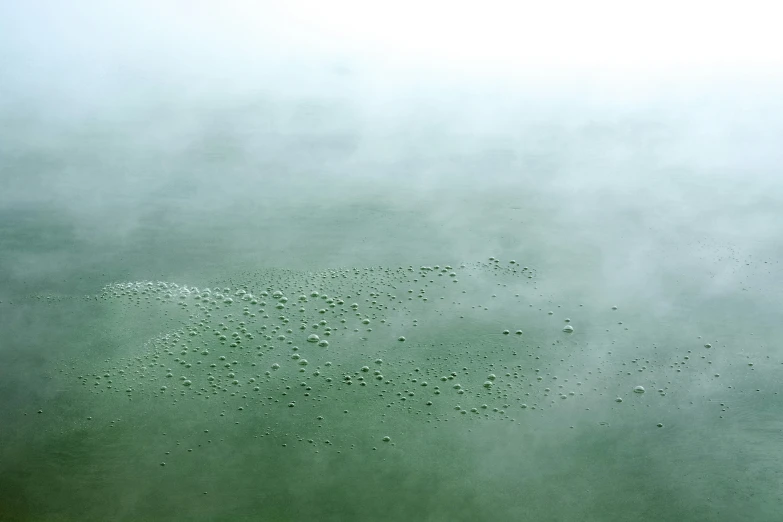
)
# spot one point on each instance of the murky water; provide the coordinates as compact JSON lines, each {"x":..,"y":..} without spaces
{"x":350,"y":291}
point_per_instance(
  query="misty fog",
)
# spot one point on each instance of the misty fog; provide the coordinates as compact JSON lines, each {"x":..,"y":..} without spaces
{"x":498,"y":222}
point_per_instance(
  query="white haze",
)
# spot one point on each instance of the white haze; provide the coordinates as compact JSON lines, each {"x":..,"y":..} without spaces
{"x":628,"y":152}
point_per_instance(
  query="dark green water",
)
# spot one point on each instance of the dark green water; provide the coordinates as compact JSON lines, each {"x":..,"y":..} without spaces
{"x":170,"y":235}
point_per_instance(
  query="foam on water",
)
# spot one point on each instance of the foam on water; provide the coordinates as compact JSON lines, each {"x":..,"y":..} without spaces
{"x":231,"y":351}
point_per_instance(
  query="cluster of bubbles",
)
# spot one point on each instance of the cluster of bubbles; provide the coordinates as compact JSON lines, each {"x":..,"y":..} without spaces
{"x":297,"y":352}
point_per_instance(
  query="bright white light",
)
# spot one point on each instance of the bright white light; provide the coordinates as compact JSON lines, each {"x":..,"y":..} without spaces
{"x":554,"y":33}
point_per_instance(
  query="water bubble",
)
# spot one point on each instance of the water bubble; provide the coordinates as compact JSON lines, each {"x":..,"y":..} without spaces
{"x":373,"y":290}
{"x":568,"y":328}
{"x":638,"y":389}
